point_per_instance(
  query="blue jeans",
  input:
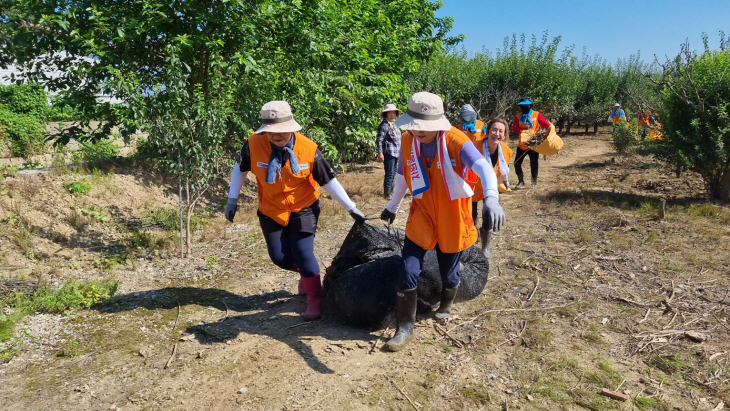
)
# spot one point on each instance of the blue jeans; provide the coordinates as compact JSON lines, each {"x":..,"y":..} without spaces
{"x":413,"y":265}
{"x":391,"y":167}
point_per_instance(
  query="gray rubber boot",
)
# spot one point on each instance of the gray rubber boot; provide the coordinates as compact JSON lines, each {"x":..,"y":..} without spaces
{"x":405,"y":315}
{"x":443,"y":313}
{"x":486,"y":239}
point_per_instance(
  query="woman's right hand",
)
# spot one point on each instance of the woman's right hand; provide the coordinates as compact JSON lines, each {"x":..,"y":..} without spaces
{"x":381,"y":157}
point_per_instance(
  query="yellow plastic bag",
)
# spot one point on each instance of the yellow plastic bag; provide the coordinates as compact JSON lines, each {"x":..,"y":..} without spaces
{"x":503,"y":188}
{"x":551,"y":145}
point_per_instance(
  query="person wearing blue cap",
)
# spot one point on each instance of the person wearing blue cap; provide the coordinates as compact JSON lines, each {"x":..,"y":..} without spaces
{"x":528,"y":119}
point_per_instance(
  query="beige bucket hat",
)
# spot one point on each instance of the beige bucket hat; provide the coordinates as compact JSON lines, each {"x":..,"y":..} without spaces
{"x":276,"y":117}
{"x":425,"y":112}
{"x":391,"y":107}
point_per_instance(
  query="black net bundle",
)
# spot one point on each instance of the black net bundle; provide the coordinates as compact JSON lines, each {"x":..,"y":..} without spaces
{"x":360,"y":282}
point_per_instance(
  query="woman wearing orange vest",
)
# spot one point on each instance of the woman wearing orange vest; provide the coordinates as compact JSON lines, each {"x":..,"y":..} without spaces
{"x":289,"y":170}
{"x":495,"y":149}
{"x":436,"y":160}
{"x":529,"y":119}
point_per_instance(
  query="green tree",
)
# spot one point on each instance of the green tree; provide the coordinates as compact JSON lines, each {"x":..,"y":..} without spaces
{"x":695,"y":115}
{"x":194,"y":74}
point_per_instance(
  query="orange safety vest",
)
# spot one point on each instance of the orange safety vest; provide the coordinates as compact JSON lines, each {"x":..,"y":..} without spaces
{"x":643,"y":119}
{"x":617,"y":120}
{"x":291,"y":192}
{"x":525,"y":126}
{"x":506,"y":151}
{"x":475,"y":136}
{"x":434,"y":218}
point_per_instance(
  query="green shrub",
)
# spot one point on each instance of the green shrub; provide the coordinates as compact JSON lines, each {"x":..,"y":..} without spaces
{"x":60,"y":111}
{"x":72,"y":294}
{"x":98,"y":151}
{"x":78,"y":188}
{"x":29,"y":99}
{"x":23,"y":134}
{"x":624,"y":137}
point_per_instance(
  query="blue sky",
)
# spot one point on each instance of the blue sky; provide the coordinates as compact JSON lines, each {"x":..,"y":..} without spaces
{"x":611,"y":29}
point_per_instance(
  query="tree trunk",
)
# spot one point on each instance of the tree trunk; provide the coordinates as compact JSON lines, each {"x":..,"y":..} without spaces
{"x":587,"y":125}
{"x":595,"y":127}
{"x":187,"y":225}
{"x":561,"y":123}
{"x":567,"y":127}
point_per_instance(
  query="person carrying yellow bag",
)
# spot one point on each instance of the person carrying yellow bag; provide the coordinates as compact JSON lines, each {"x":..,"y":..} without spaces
{"x":529,"y":119}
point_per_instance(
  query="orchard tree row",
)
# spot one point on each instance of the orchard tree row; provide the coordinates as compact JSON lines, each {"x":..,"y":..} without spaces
{"x":193,"y":76}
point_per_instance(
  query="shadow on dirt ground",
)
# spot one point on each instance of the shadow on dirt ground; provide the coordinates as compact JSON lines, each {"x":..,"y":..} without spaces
{"x":262,"y":314}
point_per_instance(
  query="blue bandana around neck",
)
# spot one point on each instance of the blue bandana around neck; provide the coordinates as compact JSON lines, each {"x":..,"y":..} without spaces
{"x":525,"y":119}
{"x":617,"y":113}
{"x":275,"y":161}
{"x":470,"y":126}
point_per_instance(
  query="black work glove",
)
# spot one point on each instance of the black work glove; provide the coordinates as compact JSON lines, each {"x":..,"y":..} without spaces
{"x":357,"y":215}
{"x":387,"y":216}
{"x":231,"y":209}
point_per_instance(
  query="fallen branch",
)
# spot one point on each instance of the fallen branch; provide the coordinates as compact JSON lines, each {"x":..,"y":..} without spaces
{"x":300,"y":324}
{"x":375,"y":343}
{"x":445,"y":333}
{"x":537,"y":282}
{"x":176,"y":318}
{"x":224,"y":303}
{"x":471,"y":320}
{"x":169,"y":361}
{"x":524,"y":325}
{"x":405,"y":395}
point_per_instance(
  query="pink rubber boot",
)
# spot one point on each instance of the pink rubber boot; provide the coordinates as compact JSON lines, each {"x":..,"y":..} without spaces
{"x":313,"y":288}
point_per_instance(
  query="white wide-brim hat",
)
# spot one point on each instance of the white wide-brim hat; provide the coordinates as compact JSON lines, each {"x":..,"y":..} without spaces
{"x":617,"y":105}
{"x":391,"y":107}
{"x":276,"y":117}
{"x":425,"y":112}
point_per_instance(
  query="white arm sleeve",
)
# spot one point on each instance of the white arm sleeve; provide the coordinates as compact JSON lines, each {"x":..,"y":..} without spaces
{"x":486,"y":174}
{"x":237,"y":179}
{"x":334,"y":188}
{"x":399,"y":192}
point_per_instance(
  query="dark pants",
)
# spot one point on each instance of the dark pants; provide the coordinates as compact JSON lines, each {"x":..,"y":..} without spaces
{"x":486,"y":219}
{"x":534,"y":156}
{"x":292,"y":245}
{"x":391,"y":167}
{"x":413,"y":265}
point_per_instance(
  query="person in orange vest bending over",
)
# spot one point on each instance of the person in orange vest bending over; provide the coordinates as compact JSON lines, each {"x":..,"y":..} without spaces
{"x":440,"y":166}
{"x":617,"y":114}
{"x":496,"y":151}
{"x":644,"y":123}
{"x":529,"y":119}
{"x":289,"y":170}
{"x":475,"y":130}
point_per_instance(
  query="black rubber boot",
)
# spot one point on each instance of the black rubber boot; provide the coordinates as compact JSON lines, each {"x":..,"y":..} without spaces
{"x":521,"y":181}
{"x":443,"y":313}
{"x":405,"y":315}
{"x":387,"y":192}
{"x":534,"y":182}
{"x":486,"y":237}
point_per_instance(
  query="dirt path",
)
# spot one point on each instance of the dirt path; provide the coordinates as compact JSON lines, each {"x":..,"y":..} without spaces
{"x":239,"y":342}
